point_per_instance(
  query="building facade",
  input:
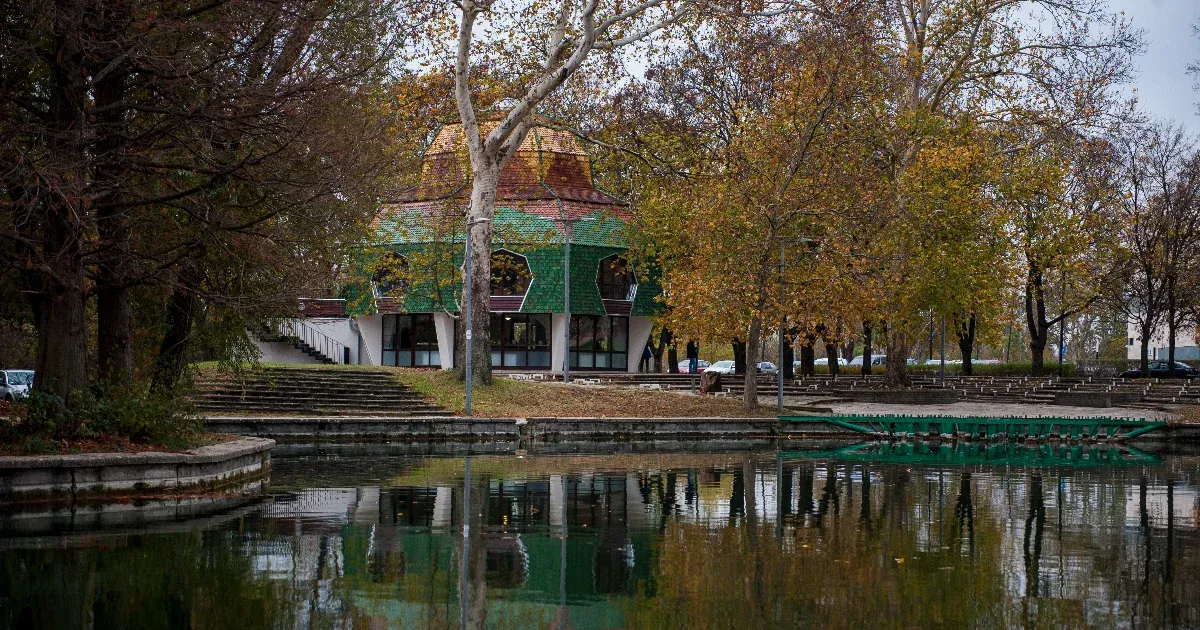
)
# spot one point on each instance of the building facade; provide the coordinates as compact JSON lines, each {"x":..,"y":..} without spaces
{"x":405,"y":310}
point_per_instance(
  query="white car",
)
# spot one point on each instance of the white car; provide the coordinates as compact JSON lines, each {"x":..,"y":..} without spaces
{"x":876,"y":359}
{"x":722,"y":367}
{"x":825,"y":361}
{"x":15,"y":384}
{"x":766,"y":367}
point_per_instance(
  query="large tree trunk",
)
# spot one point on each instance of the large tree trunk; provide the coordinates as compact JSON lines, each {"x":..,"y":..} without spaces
{"x":808,"y":356}
{"x":966,"y":343}
{"x":673,"y":357}
{"x":664,"y":340}
{"x":61,"y":364}
{"x":831,"y":352}
{"x":867,"y":339}
{"x":895,"y":371}
{"x":739,"y":356}
{"x":1171,"y":327}
{"x":787,"y":363}
{"x":1147,"y":330}
{"x":1035,"y":322}
{"x":479,"y":221}
{"x":750,"y":391}
{"x":171,"y":362}
{"x":1037,"y":352}
{"x":114,"y":314}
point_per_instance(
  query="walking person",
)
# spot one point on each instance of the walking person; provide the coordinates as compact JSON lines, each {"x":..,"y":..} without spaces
{"x":644,"y":364}
{"x":693,"y":356}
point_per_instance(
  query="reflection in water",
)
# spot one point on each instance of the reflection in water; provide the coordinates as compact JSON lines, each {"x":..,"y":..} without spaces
{"x":657,"y":541}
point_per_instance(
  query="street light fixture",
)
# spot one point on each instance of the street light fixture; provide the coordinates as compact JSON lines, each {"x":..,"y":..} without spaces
{"x":568,"y":229}
{"x":467,"y":334}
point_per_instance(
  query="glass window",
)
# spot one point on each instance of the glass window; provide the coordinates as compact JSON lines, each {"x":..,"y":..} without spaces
{"x":614,"y":277}
{"x":599,"y":342}
{"x":510,"y":273}
{"x":620,"y":334}
{"x":391,"y":275}
{"x":410,"y":340}
{"x":539,"y":331}
{"x":520,"y":340}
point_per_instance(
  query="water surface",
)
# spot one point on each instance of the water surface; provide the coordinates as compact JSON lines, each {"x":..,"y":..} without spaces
{"x":901,"y":535}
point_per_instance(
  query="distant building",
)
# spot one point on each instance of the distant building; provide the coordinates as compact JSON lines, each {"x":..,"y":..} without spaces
{"x":1185,"y":344}
{"x":549,"y":179}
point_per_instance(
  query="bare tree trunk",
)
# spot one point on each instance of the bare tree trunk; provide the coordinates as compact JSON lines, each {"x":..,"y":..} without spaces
{"x":739,"y":356}
{"x":114,"y":313}
{"x":895,"y":371}
{"x":831,"y":352}
{"x":61,"y":364}
{"x":664,"y":340}
{"x":867,"y":341}
{"x":1171,"y":326}
{"x":750,"y":391}
{"x":1147,"y":330}
{"x":787,"y":363}
{"x":171,"y":361}
{"x":966,"y":343}
{"x":479,"y":222}
{"x":807,"y":356}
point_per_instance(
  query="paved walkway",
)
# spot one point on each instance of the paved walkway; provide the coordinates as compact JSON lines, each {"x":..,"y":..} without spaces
{"x":961,"y":409}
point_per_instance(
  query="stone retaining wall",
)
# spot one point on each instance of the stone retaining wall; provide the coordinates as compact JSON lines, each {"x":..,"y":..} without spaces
{"x":900,"y":396}
{"x":38,"y":476}
{"x":513,"y":429}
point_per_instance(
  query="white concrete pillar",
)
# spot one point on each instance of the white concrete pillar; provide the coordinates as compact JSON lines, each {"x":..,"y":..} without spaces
{"x":558,"y":324}
{"x":444,"y":324}
{"x":443,"y":507}
{"x":366,"y":508}
{"x":371,"y":329}
{"x":558,"y":495}
{"x":639,"y":334}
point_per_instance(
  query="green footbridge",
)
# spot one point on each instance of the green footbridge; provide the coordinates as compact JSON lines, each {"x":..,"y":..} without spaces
{"x":987,"y":428}
{"x":976,"y":453}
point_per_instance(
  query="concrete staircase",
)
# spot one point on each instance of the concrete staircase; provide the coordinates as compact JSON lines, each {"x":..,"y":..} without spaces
{"x":311,"y":392}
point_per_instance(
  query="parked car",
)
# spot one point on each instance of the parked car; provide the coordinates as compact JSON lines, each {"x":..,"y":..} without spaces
{"x":825,"y":361}
{"x":766,"y":367}
{"x":1159,"y":369}
{"x":876,"y":359}
{"x":722,"y":367}
{"x":700,"y":366}
{"x":15,"y":384}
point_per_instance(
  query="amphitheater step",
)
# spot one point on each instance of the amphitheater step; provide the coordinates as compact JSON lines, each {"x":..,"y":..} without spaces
{"x":311,"y":391}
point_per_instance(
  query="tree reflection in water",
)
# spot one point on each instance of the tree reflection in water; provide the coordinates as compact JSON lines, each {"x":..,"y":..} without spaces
{"x":656,"y":541}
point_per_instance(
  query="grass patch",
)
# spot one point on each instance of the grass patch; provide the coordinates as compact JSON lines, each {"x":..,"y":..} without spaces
{"x":506,"y":398}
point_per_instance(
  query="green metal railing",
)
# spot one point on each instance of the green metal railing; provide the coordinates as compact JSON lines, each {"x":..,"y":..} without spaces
{"x":891,"y":426}
{"x":975,"y":453}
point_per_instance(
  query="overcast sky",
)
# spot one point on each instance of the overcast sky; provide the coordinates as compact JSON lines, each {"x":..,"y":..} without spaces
{"x":1164,"y":89}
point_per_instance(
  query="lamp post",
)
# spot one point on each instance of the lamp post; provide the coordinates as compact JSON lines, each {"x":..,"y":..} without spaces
{"x":568,"y":229}
{"x":467,"y":333}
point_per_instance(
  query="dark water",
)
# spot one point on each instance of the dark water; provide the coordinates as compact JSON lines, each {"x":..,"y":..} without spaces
{"x":869,"y":536}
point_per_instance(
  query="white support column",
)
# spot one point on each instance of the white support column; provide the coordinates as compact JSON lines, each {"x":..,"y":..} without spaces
{"x":443,"y":507}
{"x":639,"y":334}
{"x":557,"y":332}
{"x":371,"y":329}
{"x":444,"y":324}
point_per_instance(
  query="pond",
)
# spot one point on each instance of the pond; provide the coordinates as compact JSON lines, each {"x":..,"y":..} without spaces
{"x":824,"y":535}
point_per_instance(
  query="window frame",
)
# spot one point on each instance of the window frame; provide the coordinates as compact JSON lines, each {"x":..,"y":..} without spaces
{"x":591,"y":358}
{"x":417,"y":351}
{"x":500,"y":350}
